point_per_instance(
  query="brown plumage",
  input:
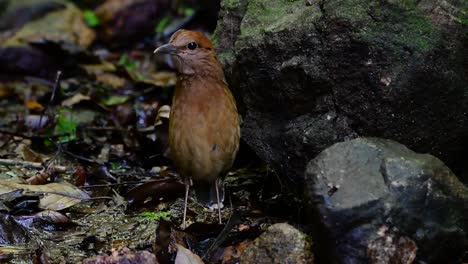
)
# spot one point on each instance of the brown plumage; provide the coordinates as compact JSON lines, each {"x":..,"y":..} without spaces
{"x":204,"y":124}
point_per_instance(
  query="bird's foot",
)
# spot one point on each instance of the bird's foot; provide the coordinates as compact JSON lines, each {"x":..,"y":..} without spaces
{"x":215,"y":206}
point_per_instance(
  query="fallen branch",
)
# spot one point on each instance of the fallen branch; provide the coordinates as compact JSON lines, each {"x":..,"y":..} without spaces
{"x":29,"y":164}
{"x":149,"y":129}
{"x":15,"y":134}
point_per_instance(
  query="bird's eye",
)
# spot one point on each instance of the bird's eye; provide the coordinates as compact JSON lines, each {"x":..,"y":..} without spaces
{"x":192,"y":45}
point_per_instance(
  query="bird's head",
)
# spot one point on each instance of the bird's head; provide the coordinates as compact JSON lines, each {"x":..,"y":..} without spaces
{"x":192,"y":52}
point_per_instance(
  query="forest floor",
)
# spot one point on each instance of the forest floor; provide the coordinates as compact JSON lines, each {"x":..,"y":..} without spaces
{"x":84,"y":109}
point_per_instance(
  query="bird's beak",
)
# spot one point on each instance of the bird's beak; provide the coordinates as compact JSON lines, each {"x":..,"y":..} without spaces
{"x":166,"y":49}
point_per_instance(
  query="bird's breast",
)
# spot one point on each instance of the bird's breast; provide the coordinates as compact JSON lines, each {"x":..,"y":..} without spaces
{"x":204,"y":130}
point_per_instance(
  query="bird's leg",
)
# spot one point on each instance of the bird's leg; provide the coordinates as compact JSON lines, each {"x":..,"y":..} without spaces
{"x":187,"y":188}
{"x":217,"y":199}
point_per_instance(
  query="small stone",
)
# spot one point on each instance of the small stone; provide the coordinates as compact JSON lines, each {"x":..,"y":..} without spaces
{"x":280,"y":243}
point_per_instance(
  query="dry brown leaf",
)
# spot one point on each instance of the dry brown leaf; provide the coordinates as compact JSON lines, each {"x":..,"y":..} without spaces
{"x":29,"y":164}
{"x":58,"y":196}
{"x":155,"y":190}
{"x":104,"y":74}
{"x":163,"y":112}
{"x":160,"y":79}
{"x":185,"y":256}
{"x":106,"y":11}
{"x":30,"y":155}
{"x":243,"y":227}
{"x":163,"y":79}
{"x":80,"y":175}
{"x":65,"y":25}
{"x":33,"y":105}
{"x":6,"y":249}
{"x":57,"y":202}
{"x":112,"y":80}
{"x":96,"y":69}
{"x":75,"y":99}
{"x":39,"y":178}
{"x":5,"y":91}
{"x":52,"y":217}
{"x":234,"y":251}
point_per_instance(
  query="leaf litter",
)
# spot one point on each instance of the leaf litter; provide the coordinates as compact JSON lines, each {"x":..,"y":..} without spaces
{"x":84,"y":164}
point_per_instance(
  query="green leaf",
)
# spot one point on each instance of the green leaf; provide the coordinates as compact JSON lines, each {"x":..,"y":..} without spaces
{"x":126,"y":62}
{"x":115,"y":100}
{"x":163,"y":23}
{"x":48,"y":143}
{"x":189,"y":11}
{"x":155,"y":215}
{"x":91,"y":18}
{"x":115,"y":166}
{"x":65,"y":126}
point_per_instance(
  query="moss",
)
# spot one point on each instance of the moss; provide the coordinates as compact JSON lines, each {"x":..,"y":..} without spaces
{"x":463,"y":21}
{"x":347,"y":9}
{"x":401,"y":28}
{"x":227,"y":57}
{"x":231,"y":4}
{"x":276,"y":15}
{"x":420,"y":33}
{"x":407,"y":4}
{"x":462,"y":14}
{"x":396,"y":23}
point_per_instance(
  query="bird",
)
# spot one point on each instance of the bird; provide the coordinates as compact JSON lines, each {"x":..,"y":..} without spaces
{"x":204,"y":124}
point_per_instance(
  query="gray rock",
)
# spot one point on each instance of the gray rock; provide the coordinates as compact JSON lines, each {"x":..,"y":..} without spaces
{"x":308,"y":74}
{"x":280,"y":243}
{"x":380,"y":202}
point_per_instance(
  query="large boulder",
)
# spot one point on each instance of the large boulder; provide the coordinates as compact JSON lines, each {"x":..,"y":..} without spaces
{"x":308,"y":74}
{"x":376,"y":201}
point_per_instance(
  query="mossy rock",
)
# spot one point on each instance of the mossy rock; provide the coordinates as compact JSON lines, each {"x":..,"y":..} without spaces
{"x":307,"y":74}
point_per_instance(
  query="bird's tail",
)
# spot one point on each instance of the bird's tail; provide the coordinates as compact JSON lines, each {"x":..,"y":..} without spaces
{"x":206,"y":193}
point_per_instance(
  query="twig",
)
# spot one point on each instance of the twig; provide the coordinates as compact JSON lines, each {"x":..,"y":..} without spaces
{"x":78,"y":157}
{"x":121,"y":183}
{"x":149,"y":129}
{"x":52,"y":96}
{"x":234,"y":220}
{"x":15,"y":134}
{"x":9,"y":137}
{"x":56,"y":85}
{"x":29,"y":164}
{"x":99,"y":198}
{"x":105,"y":128}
